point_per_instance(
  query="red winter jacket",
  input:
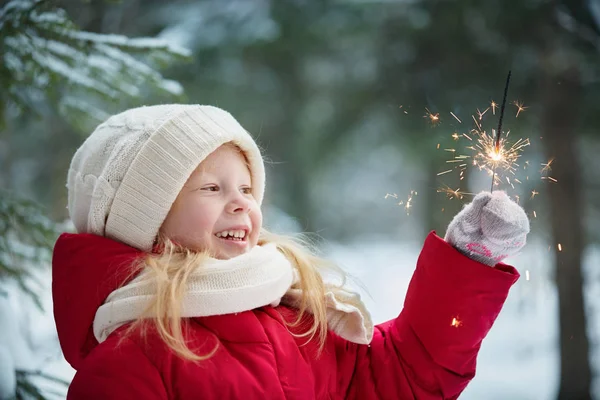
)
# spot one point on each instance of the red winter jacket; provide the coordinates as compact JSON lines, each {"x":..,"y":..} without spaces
{"x":428,"y":352}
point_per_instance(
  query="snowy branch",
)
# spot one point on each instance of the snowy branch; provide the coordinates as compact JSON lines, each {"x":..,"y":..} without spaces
{"x":42,"y":49}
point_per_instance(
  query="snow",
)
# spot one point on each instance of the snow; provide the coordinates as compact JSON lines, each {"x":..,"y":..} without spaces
{"x":8,"y":378}
{"x":204,"y":25}
{"x":87,"y":108}
{"x":124,"y":41}
{"x":29,"y":334}
{"x":171,"y":86}
{"x":59,"y":67}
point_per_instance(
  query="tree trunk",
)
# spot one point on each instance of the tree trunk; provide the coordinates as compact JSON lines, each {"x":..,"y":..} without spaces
{"x":562,"y":95}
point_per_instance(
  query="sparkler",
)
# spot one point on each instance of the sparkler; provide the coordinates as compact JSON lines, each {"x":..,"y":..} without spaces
{"x":496,"y":155}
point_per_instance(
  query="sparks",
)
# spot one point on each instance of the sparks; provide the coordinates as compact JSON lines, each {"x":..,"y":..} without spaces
{"x":481,"y":114}
{"x":393,"y":195}
{"x":493,"y":104}
{"x":452,"y":193}
{"x":459,"y":121}
{"x":547,"y":166}
{"x":433,"y":118}
{"x":550,"y":178}
{"x":456,"y":322}
{"x":534,"y":193}
{"x":408,"y":203}
{"x":455,"y":136}
{"x":534,"y":215}
{"x":488,"y":157}
{"x":559,"y":247}
{"x":519,"y":107}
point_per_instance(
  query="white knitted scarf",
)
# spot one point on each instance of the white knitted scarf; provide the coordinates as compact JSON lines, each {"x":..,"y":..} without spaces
{"x":261,"y":277}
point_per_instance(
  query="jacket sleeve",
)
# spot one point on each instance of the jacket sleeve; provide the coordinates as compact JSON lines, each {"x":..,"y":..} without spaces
{"x":429,"y":351}
{"x":123,"y":372}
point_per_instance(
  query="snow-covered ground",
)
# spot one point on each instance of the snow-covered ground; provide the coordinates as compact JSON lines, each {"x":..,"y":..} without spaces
{"x":518,"y":360}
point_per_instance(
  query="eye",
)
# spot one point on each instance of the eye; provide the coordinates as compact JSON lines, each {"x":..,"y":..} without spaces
{"x":211,"y":188}
{"x":247,"y":190}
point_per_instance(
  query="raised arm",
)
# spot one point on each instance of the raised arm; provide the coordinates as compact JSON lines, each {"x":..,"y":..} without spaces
{"x":429,"y":351}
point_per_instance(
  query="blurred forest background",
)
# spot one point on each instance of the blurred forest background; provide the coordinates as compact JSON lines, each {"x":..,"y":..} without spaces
{"x":358,"y":105}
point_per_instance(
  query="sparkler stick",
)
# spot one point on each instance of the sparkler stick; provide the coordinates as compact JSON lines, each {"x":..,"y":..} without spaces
{"x":499,"y":131}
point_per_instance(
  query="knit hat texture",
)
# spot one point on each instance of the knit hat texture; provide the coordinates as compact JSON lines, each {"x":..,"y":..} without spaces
{"x":125,"y":177}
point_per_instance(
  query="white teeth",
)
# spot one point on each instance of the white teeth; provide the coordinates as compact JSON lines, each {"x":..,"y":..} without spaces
{"x":238,"y":234}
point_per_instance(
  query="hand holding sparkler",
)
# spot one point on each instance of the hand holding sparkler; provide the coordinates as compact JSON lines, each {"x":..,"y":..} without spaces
{"x":489,"y":229}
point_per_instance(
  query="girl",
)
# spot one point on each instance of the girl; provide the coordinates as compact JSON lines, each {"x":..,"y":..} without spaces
{"x":173,"y":290}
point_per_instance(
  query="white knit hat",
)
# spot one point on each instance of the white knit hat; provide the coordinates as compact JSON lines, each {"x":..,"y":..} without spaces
{"x":125,"y":177}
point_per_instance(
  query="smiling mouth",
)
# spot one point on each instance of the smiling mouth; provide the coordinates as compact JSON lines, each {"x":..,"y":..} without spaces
{"x":233,"y":235}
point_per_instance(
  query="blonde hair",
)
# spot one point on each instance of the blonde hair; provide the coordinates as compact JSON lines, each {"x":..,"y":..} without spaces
{"x":170,"y":270}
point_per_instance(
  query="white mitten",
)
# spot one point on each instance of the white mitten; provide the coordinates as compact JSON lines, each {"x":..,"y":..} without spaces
{"x":489,"y":229}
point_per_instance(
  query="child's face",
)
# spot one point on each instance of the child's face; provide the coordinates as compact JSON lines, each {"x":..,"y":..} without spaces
{"x":216,"y":200}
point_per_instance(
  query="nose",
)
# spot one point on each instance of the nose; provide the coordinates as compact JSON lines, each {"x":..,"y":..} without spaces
{"x":238,"y":204}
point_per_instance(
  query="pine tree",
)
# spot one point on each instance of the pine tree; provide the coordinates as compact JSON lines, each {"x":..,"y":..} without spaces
{"x":48,"y":63}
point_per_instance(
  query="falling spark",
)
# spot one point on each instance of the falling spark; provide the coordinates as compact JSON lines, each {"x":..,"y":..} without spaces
{"x":494,"y":105}
{"x":393,"y":195}
{"x":481,"y":114}
{"x":467,"y":136}
{"x":433,"y":118}
{"x":534,"y":193}
{"x":455,"y":136}
{"x":534,"y":215}
{"x":547,"y":166}
{"x":559,"y":247}
{"x":438,"y":146}
{"x":456,"y":322}
{"x":408,"y":203}
{"x":459,"y":121}
{"x":519,"y":107}
{"x":550,"y":178}
{"x":444,"y":172}
{"x":527,"y":274}
{"x":476,"y":122}
{"x":452,"y":193}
